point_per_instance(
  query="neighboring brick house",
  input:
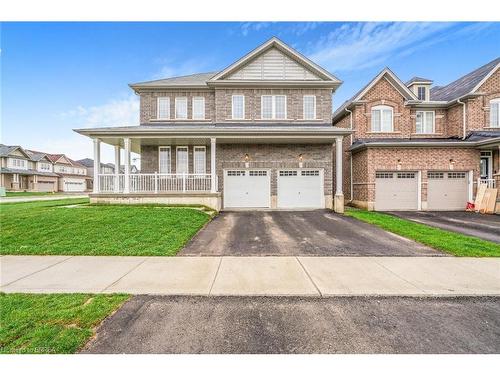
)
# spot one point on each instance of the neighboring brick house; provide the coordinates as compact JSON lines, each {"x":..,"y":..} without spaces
{"x":257,"y":134}
{"x":28,"y":170}
{"x":418,"y":147}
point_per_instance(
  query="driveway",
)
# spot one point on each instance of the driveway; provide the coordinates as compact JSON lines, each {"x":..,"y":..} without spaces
{"x":147,"y":324}
{"x":321,"y":232}
{"x":482,"y":226}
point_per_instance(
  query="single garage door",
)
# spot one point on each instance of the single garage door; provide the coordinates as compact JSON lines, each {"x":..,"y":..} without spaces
{"x":396,"y":191}
{"x":74,"y":185}
{"x":45,"y":185}
{"x":447,"y":190}
{"x":247,"y":188}
{"x":300,"y":188}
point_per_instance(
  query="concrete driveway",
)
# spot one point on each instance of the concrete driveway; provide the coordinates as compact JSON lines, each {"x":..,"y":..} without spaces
{"x":486,"y":227}
{"x":321,"y":232}
{"x":228,"y":325}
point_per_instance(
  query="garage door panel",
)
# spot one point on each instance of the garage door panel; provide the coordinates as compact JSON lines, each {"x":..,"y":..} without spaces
{"x":447,"y":190}
{"x":396,"y":191}
{"x":247,"y":189}
{"x":300,"y":189}
{"x":45,"y":186}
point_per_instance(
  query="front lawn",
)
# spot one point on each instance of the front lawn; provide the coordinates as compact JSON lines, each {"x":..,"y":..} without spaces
{"x":52,"y":323}
{"x":28,"y":193}
{"x":450,"y":242}
{"x":73,"y":227}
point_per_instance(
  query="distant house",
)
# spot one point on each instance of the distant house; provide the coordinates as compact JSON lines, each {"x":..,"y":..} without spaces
{"x":106,"y":168}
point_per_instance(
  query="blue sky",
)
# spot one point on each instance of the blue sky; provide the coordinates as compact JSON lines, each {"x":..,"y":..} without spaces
{"x":60,"y":76}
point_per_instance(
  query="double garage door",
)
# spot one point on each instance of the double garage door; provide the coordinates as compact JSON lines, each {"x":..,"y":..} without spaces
{"x":296,"y":188}
{"x":74,"y":185}
{"x":399,"y":190}
{"x":46,"y":186}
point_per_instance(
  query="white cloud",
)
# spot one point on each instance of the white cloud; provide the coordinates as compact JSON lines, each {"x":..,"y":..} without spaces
{"x":354,"y":46}
{"x":247,"y":27}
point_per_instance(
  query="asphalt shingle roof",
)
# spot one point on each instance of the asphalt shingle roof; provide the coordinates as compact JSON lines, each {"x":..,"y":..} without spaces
{"x":198,"y":79}
{"x":418,"y":79}
{"x":463,"y":85}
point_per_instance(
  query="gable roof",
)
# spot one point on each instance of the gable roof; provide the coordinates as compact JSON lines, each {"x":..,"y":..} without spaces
{"x":288,"y":51}
{"x":392,"y":78}
{"x":419,"y":80}
{"x":37,"y":156}
{"x":187,"y":81}
{"x":6,"y":150}
{"x":465,"y":85}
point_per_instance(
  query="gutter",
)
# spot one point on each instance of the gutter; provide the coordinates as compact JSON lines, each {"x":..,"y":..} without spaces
{"x":350,"y":159}
{"x":459,"y":101}
{"x":466,"y":144}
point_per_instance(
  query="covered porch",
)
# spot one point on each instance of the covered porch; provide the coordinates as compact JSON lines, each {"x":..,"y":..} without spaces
{"x":186,"y":164}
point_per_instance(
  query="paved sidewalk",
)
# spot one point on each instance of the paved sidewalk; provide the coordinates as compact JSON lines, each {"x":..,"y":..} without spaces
{"x":252,"y":276}
{"x":34,"y":198}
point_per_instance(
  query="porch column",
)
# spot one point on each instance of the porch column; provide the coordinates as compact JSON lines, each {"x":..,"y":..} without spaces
{"x":339,"y":194}
{"x":117,"y":168}
{"x":126,"y":188}
{"x":213,"y":174}
{"x":97,"y":164}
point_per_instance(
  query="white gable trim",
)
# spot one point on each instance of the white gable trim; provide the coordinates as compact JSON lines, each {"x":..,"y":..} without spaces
{"x":485,"y":78}
{"x":275,"y":42}
{"x":397,"y":84}
{"x":21,"y":150}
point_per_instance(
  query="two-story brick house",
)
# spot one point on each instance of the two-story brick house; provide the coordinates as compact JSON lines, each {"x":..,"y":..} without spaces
{"x":257,"y":134}
{"x":418,"y":147}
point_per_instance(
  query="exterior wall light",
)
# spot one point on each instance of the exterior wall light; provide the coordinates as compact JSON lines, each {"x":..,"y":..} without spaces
{"x":301,"y":158}
{"x":452,"y":164}
{"x":247,"y":161}
{"x":399,"y":165}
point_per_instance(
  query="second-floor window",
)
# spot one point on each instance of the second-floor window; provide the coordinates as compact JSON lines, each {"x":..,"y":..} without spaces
{"x":164,"y":159}
{"x":163,"y":108}
{"x":309,"y":107}
{"x":17,"y":163}
{"x":425,"y":122}
{"x":238,"y":107}
{"x":198,"y":108}
{"x":181,"y":110}
{"x":273,"y":107}
{"x":44,"y":166}
{"x":421,"y":93}
{"x":495,"y":113}
{"x":382,"y":119}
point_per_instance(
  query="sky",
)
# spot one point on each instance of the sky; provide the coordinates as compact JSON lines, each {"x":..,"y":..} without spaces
{"x":55,"y":77}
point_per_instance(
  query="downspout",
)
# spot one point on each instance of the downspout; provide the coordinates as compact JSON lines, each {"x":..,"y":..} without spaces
{"x":463,"y":118}
{"x":350,"y":159}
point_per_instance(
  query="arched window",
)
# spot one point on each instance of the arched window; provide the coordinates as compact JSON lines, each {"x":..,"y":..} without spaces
{"x":382,"y":119}
{"x":495,"y":113}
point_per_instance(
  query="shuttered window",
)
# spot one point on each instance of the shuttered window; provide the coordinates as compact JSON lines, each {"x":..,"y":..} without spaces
{"x":164,"y":159}
{"x":181,"y":108}
{"x":425,"y":122}
{"x":200,"y":160}
{"x":182,"y":160}
{"x":163,"y":108}
{"x":238,"y":107}
{"x":199,"y":108}
{"x":382,"y":119}
{"x":273,"y":107}
{"x":309,"y":107}
{"x":495,"y":113}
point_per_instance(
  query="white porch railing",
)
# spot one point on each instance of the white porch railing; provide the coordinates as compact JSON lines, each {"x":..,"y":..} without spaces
{"x":155,"y":183}
{"x":490,"y":182}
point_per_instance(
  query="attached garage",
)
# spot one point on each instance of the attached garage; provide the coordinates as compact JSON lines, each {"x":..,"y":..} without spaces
{"x":447,"y":191}
{"x":46,"y":186}
{"x":245,"y":188}
{"x":300,"y":188}
{"x":74,"y":185}
{"x":396,"y":191}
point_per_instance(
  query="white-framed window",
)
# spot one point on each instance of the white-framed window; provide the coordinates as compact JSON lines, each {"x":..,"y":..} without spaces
{"x":199,"y":160}
{"x":17,"y":163}
{"x":425,"y":122}
{"x":182,"y":160}
{"x":273,"y":107}
{"x":164,"y":159}
{"x":309,"y":107}
{"x":163,"y":108}
{"x":238,"y":107}
{"x":495,"y":113}
{"x":421,"y":93}
{"x":198,"y":108}
{"x":382,"y":119}
{"x":181,"y":108}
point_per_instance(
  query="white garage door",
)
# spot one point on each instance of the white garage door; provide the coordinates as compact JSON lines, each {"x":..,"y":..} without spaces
{"x":300,"y":189}
{"x":45,"y":186}
{"x":74,"y":185}
{"x":447,"y":190}
{"x":247,"y":188}
{"x":396,"y":191}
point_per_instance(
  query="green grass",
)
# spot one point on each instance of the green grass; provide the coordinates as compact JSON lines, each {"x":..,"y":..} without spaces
{"x":54,"y":228}
{"x":450,"y":242}
{"x":27,"y":193}
{"x":52,"y":323}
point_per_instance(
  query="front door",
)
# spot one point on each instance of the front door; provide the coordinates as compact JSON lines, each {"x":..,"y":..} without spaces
{"x":485,"y":165}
